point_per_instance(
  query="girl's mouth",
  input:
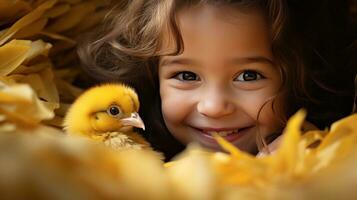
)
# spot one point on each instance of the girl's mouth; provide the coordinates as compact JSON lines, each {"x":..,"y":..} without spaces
{"x":221,"y":133}
{"x":231,"y":135}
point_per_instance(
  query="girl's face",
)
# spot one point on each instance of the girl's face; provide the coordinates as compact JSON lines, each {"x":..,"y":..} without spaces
{"x":222,"y":79}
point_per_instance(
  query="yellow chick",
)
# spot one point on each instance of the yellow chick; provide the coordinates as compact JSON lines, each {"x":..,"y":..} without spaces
{"x":107,"y":113}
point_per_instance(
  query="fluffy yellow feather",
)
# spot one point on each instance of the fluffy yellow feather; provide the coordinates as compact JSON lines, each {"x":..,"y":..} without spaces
{"x":107,"y":113}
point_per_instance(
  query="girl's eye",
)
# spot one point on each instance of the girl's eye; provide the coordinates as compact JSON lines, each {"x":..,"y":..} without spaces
{"x":249,"y":76}
{"x":187,"y":76}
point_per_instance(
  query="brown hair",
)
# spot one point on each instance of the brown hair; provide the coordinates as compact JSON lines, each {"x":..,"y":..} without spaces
{"x":127,"y":47}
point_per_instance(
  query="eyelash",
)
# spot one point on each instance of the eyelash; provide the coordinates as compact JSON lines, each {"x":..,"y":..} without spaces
{"x":240,"y":77}
{"x":180,"y":75}
{"x":258,"y":76}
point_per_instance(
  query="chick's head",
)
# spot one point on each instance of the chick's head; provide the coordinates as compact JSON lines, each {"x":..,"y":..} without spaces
{"x":104,"y":108}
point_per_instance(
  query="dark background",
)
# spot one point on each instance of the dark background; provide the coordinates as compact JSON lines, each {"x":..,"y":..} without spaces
{"x":329,"y":32}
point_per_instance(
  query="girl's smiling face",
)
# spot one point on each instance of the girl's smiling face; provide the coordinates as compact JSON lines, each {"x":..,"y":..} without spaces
{"x":222,"y":80}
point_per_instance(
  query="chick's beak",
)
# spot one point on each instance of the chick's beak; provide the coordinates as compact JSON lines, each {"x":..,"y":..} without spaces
{"x":133,"y":120}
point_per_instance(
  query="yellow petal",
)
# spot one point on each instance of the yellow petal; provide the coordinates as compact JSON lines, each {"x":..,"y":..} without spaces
{"x":67,"y":91}
{"x":192,"y":165}
{"x":8,"y":98}
{"x":60,"y":46}
{"x":55,"y":122}
{"x":72,"y":17}
{"x":7,"y":127}
{"x":309,"y":154}
{"x":238,"y":154}
{"x":238,"y":170}
{"x":12,"y":55}
{"x":338,"y":178}
{"x":312,"y":137}
{"x":289,"y":154}
{"x":57,"y":10}
{"x":31,"y":29}
{"x":24,"y":113}
{"x":38,"y":48}
{"x":26,"y":20}
{"x":68,"y":74}
{"x":9,"y":10}
{"x":5,"y":80}
{"x":76,"y":167}
{"x":17,"y":118}
{"x":66,"y":59}
{"x":42,"y":83}
{"x":340,"y":129}
{"x":339,"y":142}
{"x":89,"y":22}
{"x":71,"y":1}
{"x":59,"y":37}
{"x":35,"y":68}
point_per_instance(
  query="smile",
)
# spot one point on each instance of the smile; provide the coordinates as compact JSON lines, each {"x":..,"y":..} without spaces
{"x":222,"y":133}
{"x":205,"y":135}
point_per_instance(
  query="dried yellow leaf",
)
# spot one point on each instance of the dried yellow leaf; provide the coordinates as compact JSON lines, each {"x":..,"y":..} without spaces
{"x":19,"y":112}
{"x":89,"y":22}
{"x":341,"y":129}
{"x":60,"y":167}
{"x":60,"y":46}
{"x":42,"y":83}
{"x":35,"y":68}
{"x":56,"y":122}
{"x":339,"y":142}
{"x":192,"y":177}
{"x":312,"y":137}
{"x":59,"y":37}
{"x":12,"y":55}
{"x":72,"y":17}
{"x":38,"y":48}
{"x":7,"y":127}
{"x":67,"y":91}
{"x":26,"y":20}
{"x":71,"y":1}
{"x":67,"y":59}
{"x":14,"y":117}
{"x":289,"y":153}
{"x":7,"y":97}
{"x":57,"y":10}
{"x":4,"y":80}
{"x":10,"y":9}
{"x":31,"y":29}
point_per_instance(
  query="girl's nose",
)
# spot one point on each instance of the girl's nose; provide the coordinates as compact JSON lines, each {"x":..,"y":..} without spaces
{"x":215,"y":104}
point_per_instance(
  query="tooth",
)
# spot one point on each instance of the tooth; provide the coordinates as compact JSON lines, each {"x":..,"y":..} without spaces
{"x":221,"y":133}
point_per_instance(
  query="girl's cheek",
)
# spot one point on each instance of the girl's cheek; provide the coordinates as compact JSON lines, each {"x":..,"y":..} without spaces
{"x":175,"y":105}
{"x":258,"y":105}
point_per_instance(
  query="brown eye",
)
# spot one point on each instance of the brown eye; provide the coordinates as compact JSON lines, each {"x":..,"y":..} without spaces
{"x":187,"y":76}
{"x":114,"y":111}
{"x":249,"y":75}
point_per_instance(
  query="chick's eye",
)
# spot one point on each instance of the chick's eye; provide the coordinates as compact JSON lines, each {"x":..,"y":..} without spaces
{"x":249,"y":75}
{"x":114,"y":111}
{"x":187,"y":76}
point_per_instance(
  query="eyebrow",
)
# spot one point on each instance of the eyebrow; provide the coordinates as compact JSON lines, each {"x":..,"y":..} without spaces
{"x":241,"y":61}
{"x":253,"y":59}
{"x":177,"y":61}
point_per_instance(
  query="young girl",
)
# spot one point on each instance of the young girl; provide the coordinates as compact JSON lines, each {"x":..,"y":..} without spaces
{"x":201,"y":67}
